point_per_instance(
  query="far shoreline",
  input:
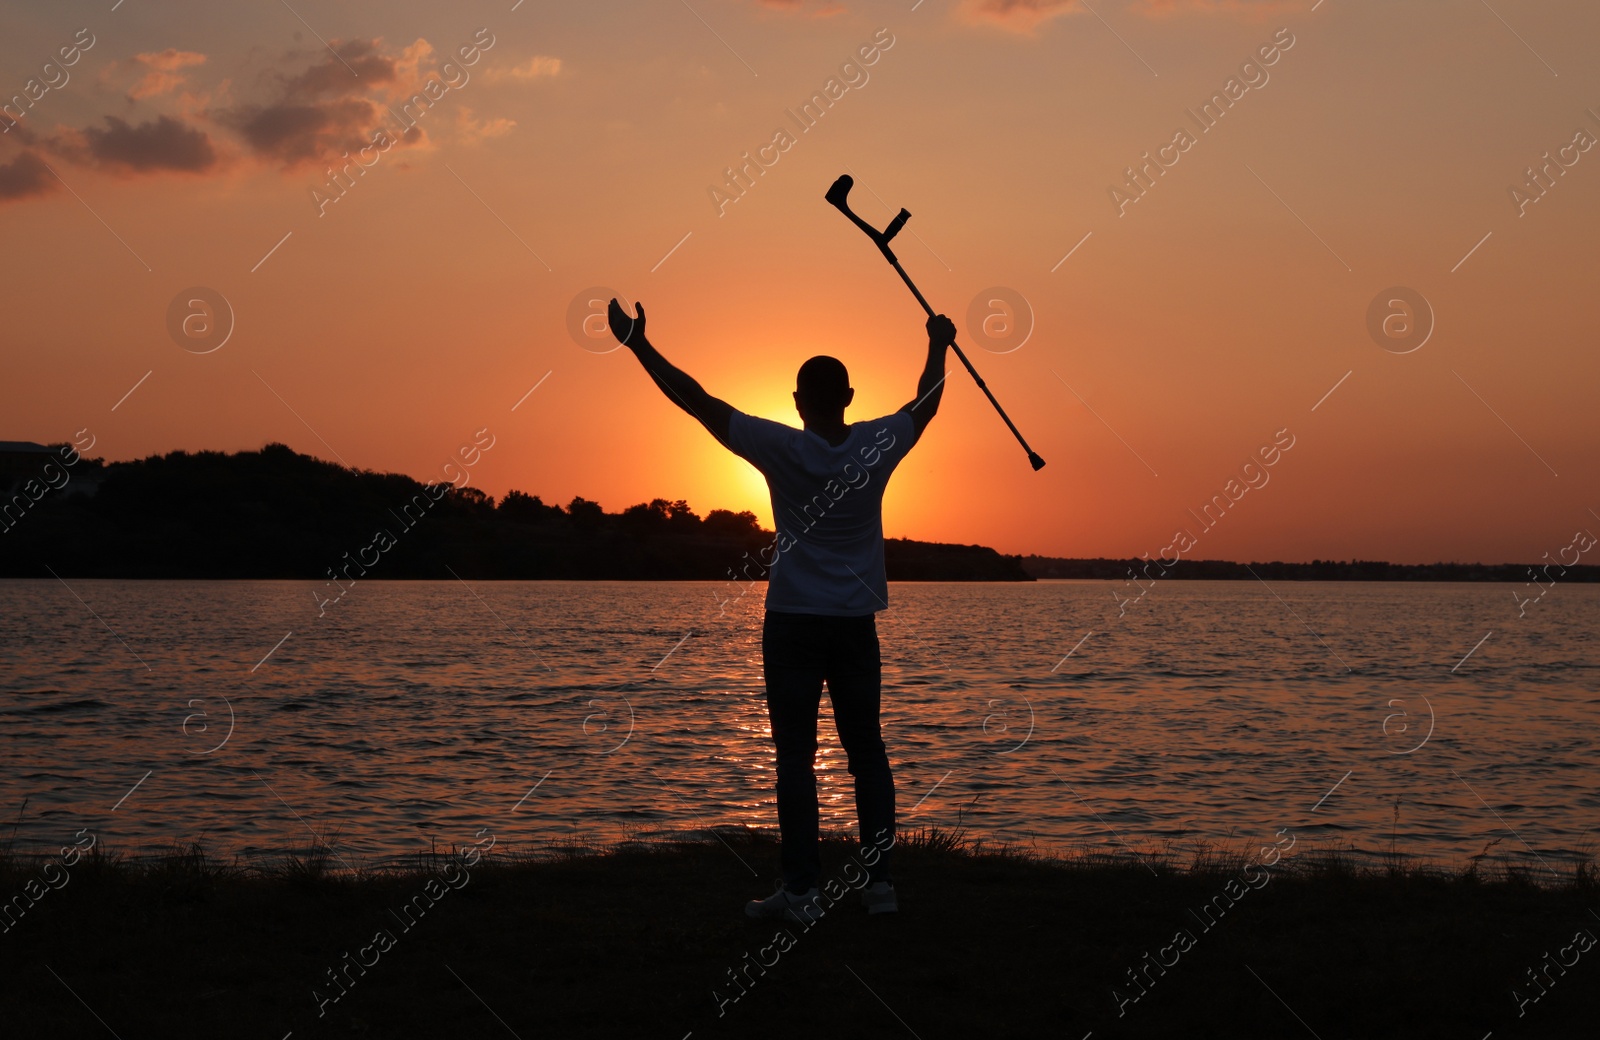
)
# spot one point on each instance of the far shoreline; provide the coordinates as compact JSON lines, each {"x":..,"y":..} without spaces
{"x":276,"y":514}
{"x":1475,"y":574}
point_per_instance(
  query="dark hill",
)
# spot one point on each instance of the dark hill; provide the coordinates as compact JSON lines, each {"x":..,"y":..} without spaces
{"x":275,"y":513}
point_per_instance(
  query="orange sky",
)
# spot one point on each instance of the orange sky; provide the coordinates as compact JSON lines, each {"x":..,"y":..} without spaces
{"x":184,"y":145}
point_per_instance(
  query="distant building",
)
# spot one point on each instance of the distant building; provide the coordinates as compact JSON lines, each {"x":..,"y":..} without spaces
{"x":22,"y":461}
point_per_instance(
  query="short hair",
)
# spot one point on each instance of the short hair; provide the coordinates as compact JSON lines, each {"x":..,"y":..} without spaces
{"x":823,"y":383}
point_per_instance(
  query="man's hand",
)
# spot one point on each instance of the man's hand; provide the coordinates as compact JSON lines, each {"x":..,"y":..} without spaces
{"x":941,"y":332}
{"x":630,"y":330}
{"x":714,"y":414}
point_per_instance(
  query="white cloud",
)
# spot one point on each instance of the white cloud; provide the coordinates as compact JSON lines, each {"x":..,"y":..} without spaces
{"x":534,"y":68}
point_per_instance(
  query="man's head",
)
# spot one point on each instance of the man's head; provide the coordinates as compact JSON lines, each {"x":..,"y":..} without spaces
{"x":822,"y":389}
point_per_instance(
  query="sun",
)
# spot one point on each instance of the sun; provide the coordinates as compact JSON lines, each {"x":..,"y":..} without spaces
{"x":752,"y":494}
{"x":745,"y":487}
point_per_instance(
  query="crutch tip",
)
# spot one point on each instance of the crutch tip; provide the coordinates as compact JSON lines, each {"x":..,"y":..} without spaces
{"x":1034,"y":458}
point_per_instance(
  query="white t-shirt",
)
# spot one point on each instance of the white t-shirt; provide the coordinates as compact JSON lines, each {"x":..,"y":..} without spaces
{"x":827,"y":503}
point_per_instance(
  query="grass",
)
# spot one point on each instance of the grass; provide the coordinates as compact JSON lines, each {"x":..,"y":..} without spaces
{"x":642,"y":941}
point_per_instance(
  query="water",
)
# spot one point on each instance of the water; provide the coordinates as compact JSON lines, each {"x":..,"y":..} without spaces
{"x":422,"y":713}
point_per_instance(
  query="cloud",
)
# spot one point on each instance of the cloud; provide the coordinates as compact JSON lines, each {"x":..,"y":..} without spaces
{"x":163,"y":143}
{"x":327,"y":109}
{"x":151,"y":74}
{"x":532,"y":69}
{"x":25,"y":176}
{"x":294,"y":133}
{"x":163,"y":74}
{"x":472,"y":131}
{"x":353,"y":67}
{"x":310,"y":109}
{"x":1021,"y":16}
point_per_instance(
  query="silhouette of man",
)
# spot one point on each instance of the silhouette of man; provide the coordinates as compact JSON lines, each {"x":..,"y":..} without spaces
{"x":824,"y":589}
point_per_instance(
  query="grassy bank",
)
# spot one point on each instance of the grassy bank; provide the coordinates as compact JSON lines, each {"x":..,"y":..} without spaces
{"x":641,"y":942}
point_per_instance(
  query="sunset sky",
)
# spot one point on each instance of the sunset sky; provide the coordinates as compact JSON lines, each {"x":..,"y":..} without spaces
{"x":1386,"y":145}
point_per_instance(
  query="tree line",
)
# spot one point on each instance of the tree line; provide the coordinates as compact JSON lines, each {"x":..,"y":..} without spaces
{"x":275,"y":513}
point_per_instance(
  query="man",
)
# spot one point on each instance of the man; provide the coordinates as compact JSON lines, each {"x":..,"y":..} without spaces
{"x":824,"y":590}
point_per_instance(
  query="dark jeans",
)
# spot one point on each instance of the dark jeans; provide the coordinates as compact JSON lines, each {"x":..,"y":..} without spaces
{"x":799,"y":652}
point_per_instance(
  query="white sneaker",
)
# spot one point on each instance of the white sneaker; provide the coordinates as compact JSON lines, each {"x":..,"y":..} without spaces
{"x":801,"y":909}
{"x":879,"y":898}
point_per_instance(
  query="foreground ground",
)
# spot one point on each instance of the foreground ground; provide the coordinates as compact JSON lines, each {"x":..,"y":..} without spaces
{"x":645,"y":943}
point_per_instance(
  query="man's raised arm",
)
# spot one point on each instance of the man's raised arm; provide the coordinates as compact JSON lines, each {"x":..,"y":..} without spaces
{"x":941,"y":333}
{"x":681,"y":388}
